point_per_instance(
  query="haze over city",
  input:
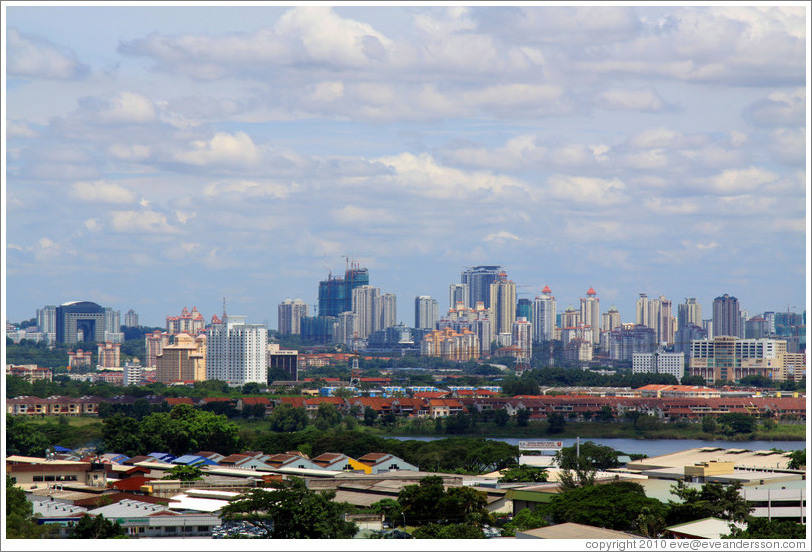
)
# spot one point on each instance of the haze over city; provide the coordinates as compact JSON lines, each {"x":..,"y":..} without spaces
{"x":161,"y":157}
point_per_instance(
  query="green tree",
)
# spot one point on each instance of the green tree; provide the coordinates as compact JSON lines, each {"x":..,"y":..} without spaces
{"x":501,"y":417}
{"x":737,"y":423}
{"x":763,"y":528}
{"x":555,"y":423}
{"x":186,"y":429}
{"x":20,"y":519}
{"x":522,"y":417}
{"x":96,"y":527}
{"x":797,"y":459}
{"x":613,"y":505}
{"x":524,"y":520}
{"x":451,"y":531}
{"x":122,"y":434}
{"x":650,"y":523}
{"x":596,"y":456}
{"x":524,"y":474}
{"x":711,"y":500}
{"x":390,"y":509}
{"x":285,"y":418}
{"x":370,"y":415}
{"x":708,"y":424}
{"x":428,"y":502}
{"x":251,"y":388}
{"x":290,"y":510}
{"x":24,"y":438}
{"x":327,"y":416}
{"x":693,"y":380}
{"x":184,"y":473}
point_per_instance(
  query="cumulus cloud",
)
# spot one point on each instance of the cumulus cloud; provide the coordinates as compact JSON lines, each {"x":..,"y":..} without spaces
{"x":135,"y":152}
{"x":587,"y":191}
{"x":354,"y":214}
{"x":781,"y":109}
{"x":34,"y":57}
{"x":501,"y":237}
{"x":631,"y":100}
{"x":249,"y":188}
{"x":223,"y":148}
{"x":101,"y":191}
{"x":19,"y":129}
{"x":739,"y":181}
{"x":144,"y":221}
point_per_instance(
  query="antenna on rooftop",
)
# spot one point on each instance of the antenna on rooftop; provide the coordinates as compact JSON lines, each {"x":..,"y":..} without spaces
{"x":224,"y":308}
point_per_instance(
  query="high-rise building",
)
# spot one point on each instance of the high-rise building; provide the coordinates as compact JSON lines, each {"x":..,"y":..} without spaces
{"x":689,"y":312}
{"x":656,"y":314}
{"x":389,"y":311}
{"x":610,"y":320}
{"x":756,"y":328}
{"x":154,"y":344}
{"x":659,"y":362}
{"x":483,"y":329}
{"x":133,"y":373}
{"x":109,"y":355}
{"x":686,"y":334}
{"x":286,"y":360}
{"x":451,"y":345}
{"x":479,"y":280}
{"x":524,"y":308}
{"x":503,"y":304}
{"x":570,"y":318}
{"x":183,"y":360}
{"x":522,"y":340}
{"x":46,"y":319}
{"x":591,"y":314}
{"x":236,"y":351}
{"x":112,"y":320}
{"x":291,"y":312}
{"x":630,"y":339}
{"x":727,"y":358}
{"x":458,"y":293}
{"x":726,"y":316}
{"x":544,"y":316}
{"x":426,"y":312}
{"x":189,"y":322}
{"x":131,"y":319}
{"x":346,"y":330}
{"x":367,"y":308}
{"x":335,"y":294}
{"x":79,"y":321}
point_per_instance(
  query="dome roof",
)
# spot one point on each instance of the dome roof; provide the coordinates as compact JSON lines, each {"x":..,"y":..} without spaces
{"x":546,"y":289}
{"x":591,"y":292}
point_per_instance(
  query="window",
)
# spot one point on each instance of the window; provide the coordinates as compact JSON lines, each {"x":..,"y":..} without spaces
{"x":203,"y":528}
{"x":170,"y":529}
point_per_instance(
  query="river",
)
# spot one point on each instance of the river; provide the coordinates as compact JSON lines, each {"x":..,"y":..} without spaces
{"x":650,"y":447}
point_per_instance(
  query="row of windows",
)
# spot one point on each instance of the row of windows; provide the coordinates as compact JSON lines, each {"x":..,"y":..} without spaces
{"x":42,"y":478}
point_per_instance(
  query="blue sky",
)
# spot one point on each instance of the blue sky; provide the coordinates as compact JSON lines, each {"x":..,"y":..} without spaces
{"x":162,"y":157}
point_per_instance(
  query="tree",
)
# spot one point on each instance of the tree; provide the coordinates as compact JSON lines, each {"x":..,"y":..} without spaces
{"x":524,"y":520}
{"x":122,"y":434}
{"x":797,"y":459}
{"x":711,"y":500}
{"x":327,"y":416}
{"x":370,"y":415}
{"x":24,"y":438}
{"x":737,"y":422}
{"x":612,"y":505}
{"x":20,"y":520}
{"x":649,"y":523}
{"x":524,"y":474}
{"x":285,"y":418}
{"x":522,"y":417}
{"x":708,"y":424}
{"x":693,"y":380}
{"x":390,"y":509}
{"x":763,"y":528}
{"x":501,"y":417}
{"x":96,"y":527}
{"x":555,"y":423}
{"x":186,"y":429}
{"x":451,"y":531}
{"x":428,"y":503}
{"x":599,"y":457}
{"x":251,"y":388}
{"x":184,"y":473}
{"x":289,"y":510}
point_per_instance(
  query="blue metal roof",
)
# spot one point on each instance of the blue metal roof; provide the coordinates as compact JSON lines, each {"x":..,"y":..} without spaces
{"x":162,"y":456}
{"x":193,"y":460}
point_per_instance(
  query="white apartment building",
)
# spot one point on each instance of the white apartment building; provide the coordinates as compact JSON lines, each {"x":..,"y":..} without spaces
{"x":659,"y":363}
{"x":544,"y":316}
{"x":728,"y":358}
{"x":236,"y":351}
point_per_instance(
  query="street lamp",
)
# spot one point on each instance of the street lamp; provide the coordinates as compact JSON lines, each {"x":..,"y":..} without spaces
{"x":404,"y":520}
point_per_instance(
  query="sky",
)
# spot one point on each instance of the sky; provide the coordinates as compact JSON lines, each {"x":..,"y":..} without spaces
{"x":162,"y":157}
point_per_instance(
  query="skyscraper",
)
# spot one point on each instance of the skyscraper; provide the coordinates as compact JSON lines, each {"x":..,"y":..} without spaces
{"x":184,"y":360}
{"x":503,"y":304}
{"x":544,"y":316}
{"x":479,"y":280}
{"x":591,"y":314}
{"x":367,"y":308}
{"x":656,"y":314}
{"x":335,"y":294}
{"x":131,"y":319}
{"x":291,"y":312}
{"x":79,"y":321}
{"x":522,"y":340}
{"x":46,"y":319}
{"x":236,"y":351}
{"x":726,"y":316}
{"x":689,"y":312}
{"x":525,"y":308}
{"x":458,"y":293}
{"x":389,"y":311}
{"x":426,"y":312}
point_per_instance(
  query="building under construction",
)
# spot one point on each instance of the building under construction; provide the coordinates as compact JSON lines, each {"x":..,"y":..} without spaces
{"x":335,"y":294}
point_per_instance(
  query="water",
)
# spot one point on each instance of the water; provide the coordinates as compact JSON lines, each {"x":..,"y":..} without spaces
{"x":651,"y":447}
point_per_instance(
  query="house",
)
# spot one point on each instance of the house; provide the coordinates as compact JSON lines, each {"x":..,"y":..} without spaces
{"x":254,"y":402}
{"x":30,"y":472}
{"x":193,"y":460}
{"x":441,"y":408}
{"x":243,"y":461}
{"x":337,"y":461}
{"x":175,"y":401}
{"x":379,"y":462}
{"x":288,"y":460}
{"x":410,"y":407}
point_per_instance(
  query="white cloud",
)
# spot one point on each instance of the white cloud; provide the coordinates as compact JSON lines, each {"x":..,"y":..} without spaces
{"x":631,"y":100}
{"x":101,"y":191}
{"x":19,"y":129}
{"x":501,"y":237}
{"x":92,"y":224}
{"x":128,"y":107}
{"x":779,"y":109}
{"x":223,"y":148}
{"x":34,"y":57}
{"x":353,"y":214}
{"x":249,"y":188}
{"x":135,"y":152}
{"x":664,"y":206}
{"x":584,"y":191}
{"x":184,"y":217}
{"x":739,"y":181}
{"x":143,"y":221}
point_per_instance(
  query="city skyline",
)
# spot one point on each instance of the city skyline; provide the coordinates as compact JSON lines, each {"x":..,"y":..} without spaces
{"x":161,"y":157}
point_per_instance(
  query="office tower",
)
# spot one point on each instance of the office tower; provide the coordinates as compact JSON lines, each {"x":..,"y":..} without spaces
{"x":458,"y":293}
{"x":481,"y":326}
{"x":544,"y":316}
{"x":184,"y":360}
{"x":522,"y":341}
{"x":189,"y":322}
{"x":367,"y":308}
{"x":479,"y":280}
{"x":656,"y":314}
{"x":727,"y":358}
{"x":503,"y":304}
{"x":426,"y":312}
{"x":335,"y":294}
{"x":131,"y":319}
{"x":524,"y":308}
{"x":689,"y":312}
{"x":389,"y":311}
{"x":236,"y":351}
{"x":109,"y":355}
{"x":659,"y":362}
{"x":46,"y":319}
{"x":290,"y":314}
{"x":591,"y":314}
{"x":768,"y":315}
{"x":79,"y":321}
{"x":726,"y":316}
{"x":286,"y":360}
